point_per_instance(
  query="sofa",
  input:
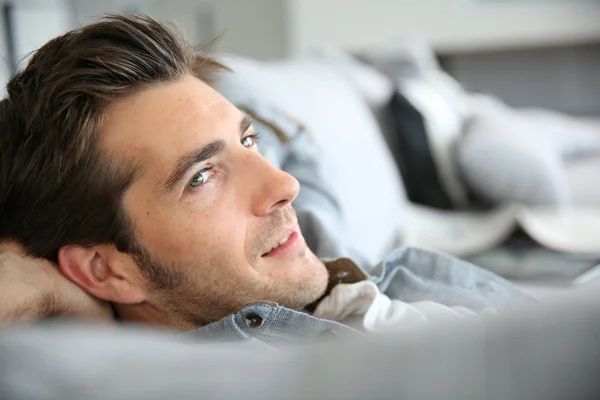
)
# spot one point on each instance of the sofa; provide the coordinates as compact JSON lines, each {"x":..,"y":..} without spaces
{"x":342,"y":105}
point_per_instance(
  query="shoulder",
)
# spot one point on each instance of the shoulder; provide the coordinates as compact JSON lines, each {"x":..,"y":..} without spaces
{"x":416,"y":274}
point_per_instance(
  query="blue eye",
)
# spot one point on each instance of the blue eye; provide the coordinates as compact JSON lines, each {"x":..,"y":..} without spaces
{"x":250,"y":140}
{"x":200,"y":178}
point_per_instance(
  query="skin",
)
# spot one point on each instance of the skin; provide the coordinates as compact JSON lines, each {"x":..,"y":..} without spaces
{"x":210,"y":242}
{"x":31,"y":289}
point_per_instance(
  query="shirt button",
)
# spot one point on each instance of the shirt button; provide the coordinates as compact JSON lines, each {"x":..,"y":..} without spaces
{"x":254,"y":321}
{"x":329,"y":334}
{"x":342,"y":274}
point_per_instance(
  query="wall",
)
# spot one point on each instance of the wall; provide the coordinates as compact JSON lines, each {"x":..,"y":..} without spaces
{"x":256,"y":28}
{"x":4,"y":65}
{"x":249,"y":27}
{"x":450,"y":25}
{"x":464,"y":30}
{"x":566,"y":79}
{"x":50,"y":18}
{"x":182,"y":12}
{"x":527,"y":52}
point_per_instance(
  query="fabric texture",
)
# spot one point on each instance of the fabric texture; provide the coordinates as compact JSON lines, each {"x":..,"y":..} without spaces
{"x":541,"y":353}
{"x":414,"y":156}
{"x":375,"y":87}
{"x":526,"y":156}
{"x":362,"y":306}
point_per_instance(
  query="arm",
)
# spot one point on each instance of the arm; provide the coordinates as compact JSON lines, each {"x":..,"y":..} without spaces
{"x":413,"y":274}
{"x":32,"y":289}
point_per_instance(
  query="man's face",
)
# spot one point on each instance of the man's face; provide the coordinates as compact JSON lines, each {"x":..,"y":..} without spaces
{"x":207,"y":207}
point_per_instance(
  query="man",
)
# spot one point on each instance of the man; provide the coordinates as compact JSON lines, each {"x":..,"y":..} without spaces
{"x":122,"y":166}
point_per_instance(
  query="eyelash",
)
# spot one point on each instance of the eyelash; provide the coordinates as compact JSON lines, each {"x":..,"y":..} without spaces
{"x":255,"y":137}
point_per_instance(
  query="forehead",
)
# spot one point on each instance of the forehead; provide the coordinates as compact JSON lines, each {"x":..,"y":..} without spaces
{"x":156,"y":126}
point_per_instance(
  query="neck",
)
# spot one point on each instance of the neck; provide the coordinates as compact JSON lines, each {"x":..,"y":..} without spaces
{"x":147,"y":314}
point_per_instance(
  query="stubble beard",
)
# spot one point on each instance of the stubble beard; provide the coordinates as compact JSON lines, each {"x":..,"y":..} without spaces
{"x":185,"y":304}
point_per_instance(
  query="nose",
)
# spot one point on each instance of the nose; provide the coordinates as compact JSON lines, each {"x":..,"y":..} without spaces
{"x":272,"y":189}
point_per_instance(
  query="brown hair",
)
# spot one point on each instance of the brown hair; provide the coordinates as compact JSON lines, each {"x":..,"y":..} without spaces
{"x":56,"y":187}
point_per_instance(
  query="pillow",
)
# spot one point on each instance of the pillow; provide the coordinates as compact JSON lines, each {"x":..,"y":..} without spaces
{"x":360,"y":167}
{"x":430,"y":138}
{"x":534,"y":157}
{"x":376,"y":88}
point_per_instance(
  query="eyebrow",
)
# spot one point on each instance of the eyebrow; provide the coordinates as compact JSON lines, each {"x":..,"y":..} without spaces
{"x":197,"y":156}
{"x":245,"y":123}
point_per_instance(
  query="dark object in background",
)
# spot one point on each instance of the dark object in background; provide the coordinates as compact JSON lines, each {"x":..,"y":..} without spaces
{"x":413,"y":156}
{"x":7,"y":19}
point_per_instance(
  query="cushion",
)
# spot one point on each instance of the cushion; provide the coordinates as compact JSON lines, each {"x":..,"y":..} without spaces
{"x":375,"y":87}
{"x":532,"y":157}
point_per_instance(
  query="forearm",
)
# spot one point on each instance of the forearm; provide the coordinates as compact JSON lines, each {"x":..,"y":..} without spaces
{"x":24,"y":296}
{"x":18,"y":308}
{"x":21,"y":303}
{"x":33,"y":288}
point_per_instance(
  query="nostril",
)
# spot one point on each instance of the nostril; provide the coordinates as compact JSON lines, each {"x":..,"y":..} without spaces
{"x":282,"y":203}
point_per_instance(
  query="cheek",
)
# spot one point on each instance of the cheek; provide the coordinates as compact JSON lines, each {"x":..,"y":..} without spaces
{"x":223,"y":227}
{"x":193,"y":230}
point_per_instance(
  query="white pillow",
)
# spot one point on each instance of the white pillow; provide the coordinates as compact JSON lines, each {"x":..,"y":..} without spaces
{"x":362,"y":170}
{"x":534,"y":157}
{"x":376,"y":88}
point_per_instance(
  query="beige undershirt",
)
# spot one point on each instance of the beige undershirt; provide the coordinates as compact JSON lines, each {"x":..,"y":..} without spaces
{"x":362,"y":306}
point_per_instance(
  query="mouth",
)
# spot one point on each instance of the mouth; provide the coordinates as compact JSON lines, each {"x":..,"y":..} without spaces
{"x":289,"y":244}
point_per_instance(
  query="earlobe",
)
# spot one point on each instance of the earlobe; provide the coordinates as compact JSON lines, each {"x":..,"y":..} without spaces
{"x":91,"y":269}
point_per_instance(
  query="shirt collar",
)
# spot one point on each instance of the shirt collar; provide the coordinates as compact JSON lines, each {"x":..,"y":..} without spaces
{"x":341,"y":270}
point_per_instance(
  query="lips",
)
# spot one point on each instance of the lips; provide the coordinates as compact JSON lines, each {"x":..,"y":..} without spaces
{"x":282,"y":241}
{"x":289,"y":243}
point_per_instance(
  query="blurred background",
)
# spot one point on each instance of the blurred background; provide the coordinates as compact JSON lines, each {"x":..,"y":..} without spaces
{"x":481,"y":118}
{"x":542,"y":53}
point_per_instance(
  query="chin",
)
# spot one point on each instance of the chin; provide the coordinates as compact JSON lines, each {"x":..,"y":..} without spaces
{"x":305,"y":286}
{"x":322,"y":276}
{"x":316,"y":283}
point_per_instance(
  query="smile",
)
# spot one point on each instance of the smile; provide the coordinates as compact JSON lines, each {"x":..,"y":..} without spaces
{"x":289,"y":245}
{"x":281,"y":242}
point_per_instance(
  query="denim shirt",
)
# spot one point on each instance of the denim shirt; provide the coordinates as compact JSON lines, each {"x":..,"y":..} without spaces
{"x":408,"y":274}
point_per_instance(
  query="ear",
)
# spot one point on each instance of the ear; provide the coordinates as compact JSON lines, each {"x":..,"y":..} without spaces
{"x":103,"y":272}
